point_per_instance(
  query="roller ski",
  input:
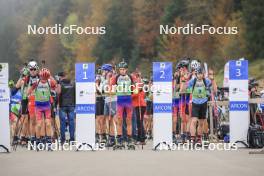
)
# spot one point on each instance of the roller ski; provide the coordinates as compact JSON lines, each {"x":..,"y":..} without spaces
{"x":103,"y":139}
{"x":48,"y":144}
{"x":119,"y":144}
{"x":24,"y":141}
{"x":131,"y":145}
{"x":110,"y":142}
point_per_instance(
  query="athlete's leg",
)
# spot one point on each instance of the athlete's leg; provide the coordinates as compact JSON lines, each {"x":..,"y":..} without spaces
{"x":120,"y":111}
{"x":43,"y":129}
{"x":194,"y":120}
{"x":100,"y":117}
{"x":200,"y":128}
{"x":112,"y":119}
{"x":25,"y":128}
{"x":38,"y":123}
{"x":189,"y":118}
{"x":193,"y":126}
{"x":32,"y":122}
{"x":71,"y":123}
{"x":23,"y":121}
{"x":202,"y":119}
{"x":129,"y":110}
{"x":174,"y":119}
{"x":140,"y":111}
{"x":13,"y":121}
{"x":62,"y":115}
{"x":48,"y":125}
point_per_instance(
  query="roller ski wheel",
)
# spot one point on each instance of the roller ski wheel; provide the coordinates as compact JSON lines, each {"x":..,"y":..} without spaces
{"x":118,"y":147}
{"x":49,"y":149}
{"x":110,"y":144}
{"x":131,"y":147}
{"x":23,"y":142}
{"x":103,"y":141}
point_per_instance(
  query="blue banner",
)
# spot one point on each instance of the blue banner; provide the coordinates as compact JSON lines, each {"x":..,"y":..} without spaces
{"x":238,"y":70}
{"x":85,"y":72}
{"x":162,"y":71}
{"x":162,"y":107}
{"x":85,"y":108}
{"x":238,"y":105}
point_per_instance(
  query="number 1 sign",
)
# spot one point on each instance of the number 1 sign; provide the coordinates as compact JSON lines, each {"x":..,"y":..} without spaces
{"x":85,"y":103}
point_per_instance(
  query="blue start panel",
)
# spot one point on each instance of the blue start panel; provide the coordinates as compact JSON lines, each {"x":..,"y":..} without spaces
{"x":162,"y":107}
{"x":238,"y":105}
{"x":238,"y":70}
{"x":162,"y":71}
{"x":85,"y":72}
{"x":85,"y":108}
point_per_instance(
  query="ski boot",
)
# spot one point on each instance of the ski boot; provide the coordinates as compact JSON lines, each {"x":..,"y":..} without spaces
{"x":48,"y":143}
{"x":130,"y":144}
{"x":183,"y":137}
{"x":97,"y":139}
{"x":32,"y":141}
{"x":174,"y":139}
{"x":15,"y":140}
{"x":205,"y":137}
{"x":23,"y":141}
{"x":38,"y":141}
{"x":103,"y":139}
{"x":110,"y":141}
{"x":119,"y":145}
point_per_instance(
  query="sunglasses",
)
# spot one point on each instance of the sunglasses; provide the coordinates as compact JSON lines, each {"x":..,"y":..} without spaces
{"x":33,"y":69}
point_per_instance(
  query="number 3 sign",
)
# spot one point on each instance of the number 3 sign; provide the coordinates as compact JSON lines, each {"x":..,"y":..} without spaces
{"x":238,"y":70}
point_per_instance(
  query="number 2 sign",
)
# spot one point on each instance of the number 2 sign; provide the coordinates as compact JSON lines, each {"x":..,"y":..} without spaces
{"x":162,"y":71}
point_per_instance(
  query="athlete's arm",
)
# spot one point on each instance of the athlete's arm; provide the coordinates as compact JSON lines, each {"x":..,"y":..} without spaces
{"x":190,"y":83}
{"x":58,"y":89}
{"x":112,"y":84}
{"x":214,"y":85}
{"x":21,"y":82}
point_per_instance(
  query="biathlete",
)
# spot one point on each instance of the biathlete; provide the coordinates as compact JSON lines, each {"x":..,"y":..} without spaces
{"x":123,"y":84}
{"x":42,"y":91}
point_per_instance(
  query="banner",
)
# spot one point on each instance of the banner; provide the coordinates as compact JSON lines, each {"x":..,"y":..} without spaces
{"x":238,"y":97}
{"x":226,"y":75}
{"x":85,"y":103}
{"x":4,"y":107}
{"x":162,"y":103}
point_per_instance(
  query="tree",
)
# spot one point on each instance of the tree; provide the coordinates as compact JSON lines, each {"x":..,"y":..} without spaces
{"x":253,"y":15}
{"x":119,"y":38}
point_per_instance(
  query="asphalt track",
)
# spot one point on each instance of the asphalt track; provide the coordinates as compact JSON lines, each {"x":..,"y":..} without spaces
{"x":130,"y":163}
